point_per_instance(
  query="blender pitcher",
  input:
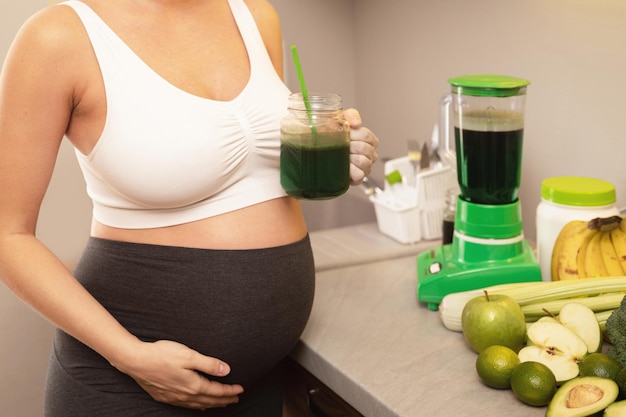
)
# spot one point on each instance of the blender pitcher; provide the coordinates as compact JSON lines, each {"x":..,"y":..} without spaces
{"x":486,"y":113}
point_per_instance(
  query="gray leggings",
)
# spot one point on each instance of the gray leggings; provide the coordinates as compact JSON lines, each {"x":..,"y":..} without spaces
{"x":246,"y":307}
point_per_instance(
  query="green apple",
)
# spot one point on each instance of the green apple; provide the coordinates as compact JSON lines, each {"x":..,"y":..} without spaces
{"x":582,"y":320}
{"x":493,"y":320}
{"x":556,"y":346}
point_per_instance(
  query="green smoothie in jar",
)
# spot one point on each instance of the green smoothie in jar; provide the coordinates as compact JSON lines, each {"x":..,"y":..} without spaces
{"x":315,"y":167}
{"x":315,"y":148}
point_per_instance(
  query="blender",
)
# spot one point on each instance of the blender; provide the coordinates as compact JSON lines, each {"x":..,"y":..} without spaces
{"x":486,"y":114}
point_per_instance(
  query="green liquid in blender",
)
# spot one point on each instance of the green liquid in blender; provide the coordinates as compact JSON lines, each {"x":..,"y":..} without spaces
{"x":315,"y":168}
{"x":489,"y":165}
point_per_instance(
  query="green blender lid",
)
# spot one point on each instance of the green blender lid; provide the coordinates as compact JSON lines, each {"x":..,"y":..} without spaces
{"x":488,"y":85}
{"x":578,"y":191}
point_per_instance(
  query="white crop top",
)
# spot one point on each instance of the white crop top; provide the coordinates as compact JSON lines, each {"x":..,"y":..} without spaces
{"x":168,"y":157}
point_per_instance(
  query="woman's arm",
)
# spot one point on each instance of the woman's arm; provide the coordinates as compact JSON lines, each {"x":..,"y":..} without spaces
{"x":41,"y":87}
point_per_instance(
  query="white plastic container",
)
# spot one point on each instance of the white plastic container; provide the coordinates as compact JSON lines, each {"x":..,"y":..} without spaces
{"x":400,"y":222}
{"x":396,"y":208}
{"x":432,"y":186}
{"x":564,"y":199}
{"x":430,"y":190}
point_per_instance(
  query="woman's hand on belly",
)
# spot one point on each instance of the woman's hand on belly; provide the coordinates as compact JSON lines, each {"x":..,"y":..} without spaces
{"x":170,"y":373}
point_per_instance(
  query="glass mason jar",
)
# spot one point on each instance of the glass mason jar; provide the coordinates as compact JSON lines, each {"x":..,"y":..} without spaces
{"x":315,"y":148}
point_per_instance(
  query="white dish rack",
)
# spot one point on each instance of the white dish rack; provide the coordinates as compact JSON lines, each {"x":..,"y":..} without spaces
{"x":424,"y":219}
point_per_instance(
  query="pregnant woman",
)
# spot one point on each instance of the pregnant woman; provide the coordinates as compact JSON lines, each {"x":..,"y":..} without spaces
{"x":198,"y":276}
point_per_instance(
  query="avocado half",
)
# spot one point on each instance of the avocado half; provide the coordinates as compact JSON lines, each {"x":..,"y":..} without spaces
{"x":617,"y":409}
{"x":582,"y":397}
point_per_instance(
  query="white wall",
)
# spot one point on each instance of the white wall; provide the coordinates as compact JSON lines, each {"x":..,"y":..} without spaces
{"x":572,"y":51}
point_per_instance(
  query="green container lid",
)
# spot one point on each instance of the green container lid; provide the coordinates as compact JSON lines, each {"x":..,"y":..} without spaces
{"x":489,"y":85}
{"x":578,"y":191}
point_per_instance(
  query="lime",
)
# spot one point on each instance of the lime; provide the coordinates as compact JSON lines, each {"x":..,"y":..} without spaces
{"x":600,"y":364}
{"x":495,"y":365}
{"x":533,"y":383}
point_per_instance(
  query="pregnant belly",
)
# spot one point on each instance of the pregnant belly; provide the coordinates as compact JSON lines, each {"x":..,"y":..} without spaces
{"x":246,"y":307}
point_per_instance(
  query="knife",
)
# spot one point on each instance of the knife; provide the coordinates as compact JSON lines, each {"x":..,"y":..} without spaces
{"x":425,"y":160}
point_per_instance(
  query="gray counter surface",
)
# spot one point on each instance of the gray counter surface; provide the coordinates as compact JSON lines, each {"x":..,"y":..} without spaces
{"x":372,"y":343}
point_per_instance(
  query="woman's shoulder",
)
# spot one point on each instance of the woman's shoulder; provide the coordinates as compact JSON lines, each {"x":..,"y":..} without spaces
{"x":268,"y":22}
{"x":54,"y":29}
{"x":51,"y":48}
{"x":264,"y":13}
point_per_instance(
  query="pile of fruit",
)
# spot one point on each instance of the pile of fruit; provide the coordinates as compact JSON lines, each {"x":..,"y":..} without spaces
{"x":555,"y":361}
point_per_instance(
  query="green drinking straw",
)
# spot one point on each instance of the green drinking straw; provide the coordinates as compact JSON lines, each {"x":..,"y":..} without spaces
{"x":305,"y":94}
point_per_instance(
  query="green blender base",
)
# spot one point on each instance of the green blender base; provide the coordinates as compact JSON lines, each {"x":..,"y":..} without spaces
{"x":439,"y":273}
{"x":487,"y":249}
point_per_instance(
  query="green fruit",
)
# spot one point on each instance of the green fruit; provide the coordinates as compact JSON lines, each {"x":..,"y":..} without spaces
{"x":556,"y":346}
{"x":495,"y":365}
{"x":533,"y":383}
{"x":617,"y":409}
{"x":489,"y":320}
{"x":582,"y":396}
{"x":621,"y":382}
{"x":601,"y":365}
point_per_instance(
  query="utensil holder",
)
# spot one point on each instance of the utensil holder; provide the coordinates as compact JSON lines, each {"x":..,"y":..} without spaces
{"x":425,"y":219}
{"x":401,"y":223}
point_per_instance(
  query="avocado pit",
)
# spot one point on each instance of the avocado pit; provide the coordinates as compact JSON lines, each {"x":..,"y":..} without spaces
{"x":583,"y":395}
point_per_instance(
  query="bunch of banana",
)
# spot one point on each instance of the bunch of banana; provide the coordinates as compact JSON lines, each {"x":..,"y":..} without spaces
{"x":595,"y":248}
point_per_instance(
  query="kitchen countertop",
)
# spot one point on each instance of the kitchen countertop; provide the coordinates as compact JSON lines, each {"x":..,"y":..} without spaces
{"x":376,"y":346}
{"x":353,"y":245}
